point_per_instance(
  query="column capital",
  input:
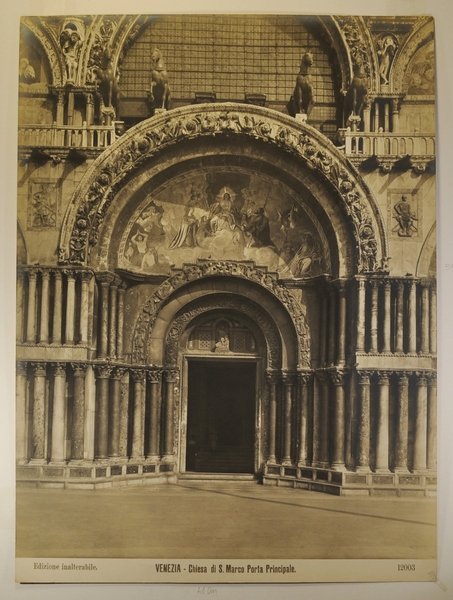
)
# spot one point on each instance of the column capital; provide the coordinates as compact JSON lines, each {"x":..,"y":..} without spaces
{"x":403,"y":377}
{"x":103,"y":371}
{"x":154,"y":375}
{"x":138,"y":375}
{"x":364,"y":377}
{"x":171,"y":375}
{"x":288,"y":377}
{"x":59,"y":369}
{"x":304,"y":377}
{"x":32,"y":272}
{"x":39,"y":369}
{"x":57,"y":272}
{"x":272,"y":376}
{"x":118,"y":372}
{"x":70,"y":273}
{"x":383,"y":377}
{"x":422,"y":378}
{"x":323,"y":376}
{"x":86,"y":276}
{"x":337,"y":376}
{"x":432,"y":378}
{"x":104,"y":277}
{"x":79,"y":369}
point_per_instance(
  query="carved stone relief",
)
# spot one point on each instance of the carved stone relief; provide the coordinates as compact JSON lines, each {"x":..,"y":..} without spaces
{"x":43,"y":201}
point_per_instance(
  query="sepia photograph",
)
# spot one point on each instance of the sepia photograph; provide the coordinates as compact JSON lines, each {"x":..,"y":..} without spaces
{"x":226,"y":298}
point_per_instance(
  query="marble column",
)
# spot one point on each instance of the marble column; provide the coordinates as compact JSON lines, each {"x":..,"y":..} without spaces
{"x":39,"y":413}
{"x":70,"y":306}
{"x":360,"y":315}
{"x":57,"y":306}
{"x":424,"y":313}
{"x":399,"y":337}
{"x":155,"y":382}
{"x":304,"y":380}
{"x":341,"y":348}
{"x":102,"y":411}
{"x":138,"y":376}
{"x":78,"y":412}
{"x":431,"y":451}
{"x":288,"y":393}
{"x":124,"y":417}
{"x":171,"y":378}
{"x":89,"y":109}
{"x":57,"y":455}
{"x":420,"y":441}
{"x":376,"y":116}
{"x":382,"y":424}
{"x":363,"y":457}
{"x":332,"y":325}
{"x":104,"y":280}
{"x":324,"y":421}
{"x":386,"y":116}
{"x":85,"y":277}
{"x":395,"y":115}
{"x":115,"y":412}
{"x":323,"y":327}
{"x":412,"y":316}
{"x":402,"y":424}
{"x":20,"y":333}
{"x":45,"y":298}
{"x":21,"y":414}
{"x":31,"y":307}
{"x":433,"y":318}
{"x":113,"y":317}
{"x":386,"y":341}
{"x":317,"y":425}
{"x":367,"y":117}
{"x":374,"y":316}
{"x":120,"y":322}
{"x":338,"y":380}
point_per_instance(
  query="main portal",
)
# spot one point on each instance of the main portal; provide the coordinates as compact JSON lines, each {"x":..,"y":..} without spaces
{"x":221,"y":416}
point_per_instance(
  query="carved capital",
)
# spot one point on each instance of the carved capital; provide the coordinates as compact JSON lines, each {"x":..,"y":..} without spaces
{"x":403,"y":378}
{"x":154,"y":376}
{"x":171,"y":375}
{"x":432,"y":378}
{"x":289,"y":378}
{"x":118,"y":372}
{"x":363,"y":377}
{"x":138,"y":375}
{"x":21,"y":368}
{"x":79,"y":369}
{"x":105,"y":278}
{"x":422,"y":378}
{"x":304,"y":378}
{"x":103,"y":371}
{"x":383,"y":377}
{"x":59,"y":369}
{"x":86,"y":276}
{"x":39,"y":369}
{"x":337,"y":376}
{"x":70,"y":273}
{"x":272,"y":376}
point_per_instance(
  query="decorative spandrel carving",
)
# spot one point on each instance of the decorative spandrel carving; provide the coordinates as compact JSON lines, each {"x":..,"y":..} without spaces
{"x":159,"y":94}
{"x":145,"y":142}
{"x":43,"y":200}
{"x":302,"y":100}
{"x":358,"y":47}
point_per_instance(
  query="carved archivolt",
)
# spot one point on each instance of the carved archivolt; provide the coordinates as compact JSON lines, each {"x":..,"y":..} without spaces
{"x":244,"y":270}
{"x":241,"y":305}
{"x":50,"y":45}
{"x":108,"y":173}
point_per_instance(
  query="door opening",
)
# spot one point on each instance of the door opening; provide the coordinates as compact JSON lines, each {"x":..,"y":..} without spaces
{"x":221,"y":416}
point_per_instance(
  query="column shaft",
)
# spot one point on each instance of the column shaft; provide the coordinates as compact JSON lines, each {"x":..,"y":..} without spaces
{"x":70,"y":307}
{"x":31,"y":307}
{"x":424,"y":329}
{"x":84,"y":306}
{"x":403,"y":424}
{"x":58,"y":414}
{"x":324,"y":423}
{"x":332,"y":325}
{"x":119,"y":335}
{"x":44,"y":317}
{"x":432,"y":424}
{"x":339,"y":425}
{"x":57,"y":316}
{"x":363,"y":458}
{"x":386,"y":343}
{"x":420,"y":442}
{"x":304,"y":379}
{"x":115,"y":413}
{"x":316,"y":449}
{"x":39,"y":412}
{"x":104,"y":318}
{"x":399,"y":338}
{"x":341,"y":350}
{"x":272,"y":396}
{"x":20,"y":333}
{"x":78,"y":413}
{"x":287,"y":417}
{"x":324,"y":316}
{"x":102,"y":412}
{"x":433,"y":319}
{"x":382,"y":430}
{"x":374,"y":317}
{"x":170,"y":381}
{"x":112,"y":320}
{"x":412,"y":316}
{"x":360,"y":315}
{"x":21,"y":414}
{"x":139,"y":406}
{"x":154,"y":379}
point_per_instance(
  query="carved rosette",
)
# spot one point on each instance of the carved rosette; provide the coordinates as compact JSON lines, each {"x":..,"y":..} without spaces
{"x":144,"y":142}
{"x":208,"y":268}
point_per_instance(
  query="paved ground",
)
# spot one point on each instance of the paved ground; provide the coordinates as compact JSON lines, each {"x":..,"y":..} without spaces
{"x":221,"y":520}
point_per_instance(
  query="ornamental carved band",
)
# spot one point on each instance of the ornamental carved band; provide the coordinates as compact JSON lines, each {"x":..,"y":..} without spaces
{"x":206,"y":268}
{"x":144,"y":141}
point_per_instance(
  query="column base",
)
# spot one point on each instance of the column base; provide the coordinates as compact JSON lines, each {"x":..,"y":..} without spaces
{"x":362,"y":469}
{"x":286,"y":462}
{"x":382,"y":471}
{"x":271,"y":460}
{"x":57,"y":463}
{"x":338,"y":467}
{"x":136,"y":459}
{"x":168,"y":458}
{"x":38,"y":461}
{"x":303,"y":463}
{"x":401,"y":470}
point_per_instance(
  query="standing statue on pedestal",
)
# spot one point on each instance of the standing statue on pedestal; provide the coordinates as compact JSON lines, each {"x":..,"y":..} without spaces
{"x":356,"y":96}
{"x":301,"y":102}
{"x":159,"y":95}
{"x":108,"y":88}
{"x":386,"y":51}
{"x":71,"y":42}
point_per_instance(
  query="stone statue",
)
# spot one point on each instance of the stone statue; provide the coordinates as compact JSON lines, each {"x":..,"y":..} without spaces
{"x":108,"y":86}
{"x":357,"y":94}
{"x":301,"y":102}
{"x":386,"y":52}
{"x":26,"y":71}
{"x":71,"y":42}
{"x":405,"y":218}
{"x":160,"y":90}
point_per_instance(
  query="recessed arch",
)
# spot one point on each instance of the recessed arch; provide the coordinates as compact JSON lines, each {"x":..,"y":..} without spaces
{"x":144,"y":143}
{"x":426,"y":263}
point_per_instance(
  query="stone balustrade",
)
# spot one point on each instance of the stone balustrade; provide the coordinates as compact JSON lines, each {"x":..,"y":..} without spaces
{"x":363,"y":144}
{"x":48,"y":136}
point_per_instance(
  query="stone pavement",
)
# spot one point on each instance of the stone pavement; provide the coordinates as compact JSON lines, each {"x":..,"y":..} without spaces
{"x":221,"y":520}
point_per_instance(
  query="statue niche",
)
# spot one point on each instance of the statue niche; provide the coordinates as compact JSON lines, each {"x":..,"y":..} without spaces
{"x":301,"y":101}
{"x":159,"y":95}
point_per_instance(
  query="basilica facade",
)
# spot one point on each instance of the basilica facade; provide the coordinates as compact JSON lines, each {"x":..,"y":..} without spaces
{"x":227,"y":252}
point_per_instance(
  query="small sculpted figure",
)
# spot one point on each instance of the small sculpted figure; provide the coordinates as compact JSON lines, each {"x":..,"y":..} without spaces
{"x":160,"y":90}
{"x":301,"y":102}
